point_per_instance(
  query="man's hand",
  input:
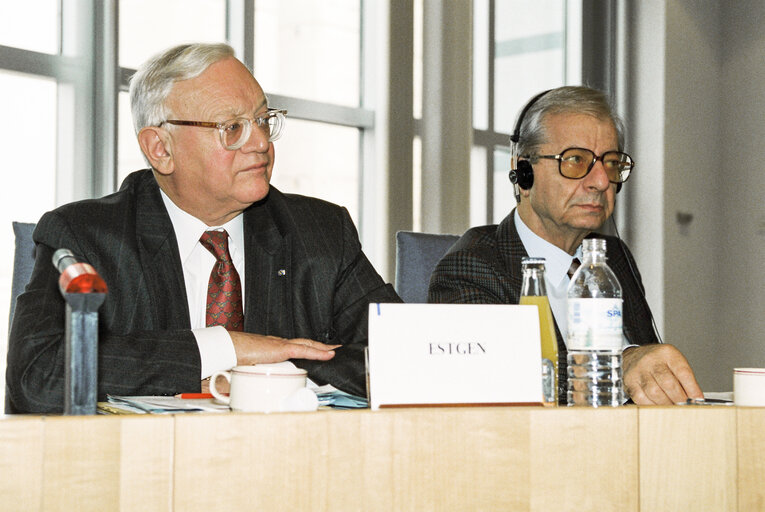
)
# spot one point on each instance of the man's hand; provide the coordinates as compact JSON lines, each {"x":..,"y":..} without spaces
{"x":256,"y":348}
{"x":658,"y":374}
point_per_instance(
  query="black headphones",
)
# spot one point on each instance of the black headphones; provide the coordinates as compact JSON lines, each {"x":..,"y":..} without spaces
{"x":523,"y":174}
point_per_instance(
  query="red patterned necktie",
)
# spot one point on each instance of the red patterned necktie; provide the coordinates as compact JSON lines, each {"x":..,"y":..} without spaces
{"x":224,"y":291}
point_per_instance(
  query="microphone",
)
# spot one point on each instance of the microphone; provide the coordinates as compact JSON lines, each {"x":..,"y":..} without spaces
{"x":76,"y":277}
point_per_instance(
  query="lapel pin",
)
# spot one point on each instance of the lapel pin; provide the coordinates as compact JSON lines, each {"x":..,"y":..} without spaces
{"x":281,"y":272}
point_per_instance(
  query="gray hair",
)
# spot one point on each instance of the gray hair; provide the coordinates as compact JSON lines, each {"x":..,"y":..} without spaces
{"x":564,"y":100}
{"x":151,"y":84}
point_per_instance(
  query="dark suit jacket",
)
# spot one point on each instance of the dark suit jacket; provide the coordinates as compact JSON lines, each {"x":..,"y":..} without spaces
{"x":484,"y":267}
{"x":146,"y":346}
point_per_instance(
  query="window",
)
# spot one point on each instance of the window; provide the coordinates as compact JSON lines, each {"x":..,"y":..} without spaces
{"x":16,"y":18}
{"x":308,"y":59}
{"x":72,"y":135}
{"x":28,"y":144}
{"x":520,"y":48}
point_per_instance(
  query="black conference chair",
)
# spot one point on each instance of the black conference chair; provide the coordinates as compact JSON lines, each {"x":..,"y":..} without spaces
{"x":417,"y":254}
{"x":23,"y":262}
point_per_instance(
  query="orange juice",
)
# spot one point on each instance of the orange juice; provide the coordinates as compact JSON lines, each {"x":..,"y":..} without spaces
{"x":546,"y":329}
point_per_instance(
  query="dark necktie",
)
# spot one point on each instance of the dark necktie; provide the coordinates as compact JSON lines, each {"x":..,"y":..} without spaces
{"x":224,"y":291}
{"x":575,"y":263}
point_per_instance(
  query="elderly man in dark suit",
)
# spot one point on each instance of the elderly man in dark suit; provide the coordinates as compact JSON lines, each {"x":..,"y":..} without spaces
{"x":568,"y":165}
{"x":208,"y":266}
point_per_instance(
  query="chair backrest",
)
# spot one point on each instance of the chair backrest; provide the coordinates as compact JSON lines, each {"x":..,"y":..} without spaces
{"x":417,"y":254}
{"x":23,"y":261}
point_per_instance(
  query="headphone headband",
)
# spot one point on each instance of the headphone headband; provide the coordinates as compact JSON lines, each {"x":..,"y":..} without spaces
{"x":516,"y":136}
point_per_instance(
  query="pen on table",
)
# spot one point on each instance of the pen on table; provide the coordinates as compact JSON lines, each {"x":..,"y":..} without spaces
{"x":195,"y":395}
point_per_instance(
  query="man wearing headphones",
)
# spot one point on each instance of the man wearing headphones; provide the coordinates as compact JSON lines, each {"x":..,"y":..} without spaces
{"x":568,"y":164}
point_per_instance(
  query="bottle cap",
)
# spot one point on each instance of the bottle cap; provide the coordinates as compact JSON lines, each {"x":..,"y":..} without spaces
{"x":534,"y":262}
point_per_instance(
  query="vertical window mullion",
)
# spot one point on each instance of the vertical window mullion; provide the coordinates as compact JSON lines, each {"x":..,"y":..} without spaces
{"x":490,"y":147}
{"x":106,"y":86}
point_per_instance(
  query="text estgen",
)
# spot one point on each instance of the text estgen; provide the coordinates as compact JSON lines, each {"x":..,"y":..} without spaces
{"x":446,"y":349}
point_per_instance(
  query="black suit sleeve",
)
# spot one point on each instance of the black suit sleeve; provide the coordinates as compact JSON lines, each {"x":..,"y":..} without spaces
{"x":638,"y":320}
{"x":351,"y":284}
{"x":464,"y":278}
{"x":130,"y":362}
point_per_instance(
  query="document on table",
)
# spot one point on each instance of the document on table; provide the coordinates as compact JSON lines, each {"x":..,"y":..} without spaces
{"x":164,"y":404}
{"x":328,"y":397}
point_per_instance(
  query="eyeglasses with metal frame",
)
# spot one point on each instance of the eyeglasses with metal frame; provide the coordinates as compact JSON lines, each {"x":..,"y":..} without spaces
{"x":576,"y":163}
{"x":234,"y":133}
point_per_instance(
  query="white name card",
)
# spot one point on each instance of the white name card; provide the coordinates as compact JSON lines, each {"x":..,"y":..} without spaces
{"x":450,"y":354}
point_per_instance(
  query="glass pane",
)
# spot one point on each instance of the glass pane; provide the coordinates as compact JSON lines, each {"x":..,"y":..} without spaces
{"x":417,"y":61}
{"x":529,"y":54}
{"x":167,"y":22}
{"x":481,"y":64}
{"x":504,"y":198}
{"x":129,"y":156}
{"x":31,"y":25}
{"x":320,"y":160}
{"x":308,"y":49}
{"x":28,"y":146}
{"x":478,"y":186}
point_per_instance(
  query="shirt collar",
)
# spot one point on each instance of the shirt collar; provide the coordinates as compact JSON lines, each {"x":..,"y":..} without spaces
{"x":557,"y":261}
{"x":188,"y":228}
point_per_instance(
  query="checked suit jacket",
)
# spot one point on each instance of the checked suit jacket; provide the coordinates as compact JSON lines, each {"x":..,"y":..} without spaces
{"x":484,"y":267}
{"x":305,"y":276}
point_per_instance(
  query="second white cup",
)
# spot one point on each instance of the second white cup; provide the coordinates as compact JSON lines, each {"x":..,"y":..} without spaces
{"x":749,"y":386}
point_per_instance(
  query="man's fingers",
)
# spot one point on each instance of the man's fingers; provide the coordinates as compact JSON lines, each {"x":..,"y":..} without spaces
{"x":312,"y":343}
{"x":671,"y":388}
{"x":304,"y":351}
{"x":645,"y":390}
{"x":638,"y":396}
{"x":687,"y":379}
{"x":659,"y":374}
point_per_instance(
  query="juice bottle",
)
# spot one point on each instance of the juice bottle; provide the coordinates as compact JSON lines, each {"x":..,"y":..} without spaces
{"x":534,"y":292}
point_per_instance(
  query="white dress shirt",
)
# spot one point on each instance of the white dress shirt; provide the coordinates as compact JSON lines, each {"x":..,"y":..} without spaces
{"x":557,"y":263}
{"x":216,"y":350}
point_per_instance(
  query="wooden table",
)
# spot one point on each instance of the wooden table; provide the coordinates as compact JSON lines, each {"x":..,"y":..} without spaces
{"x":504,"y":458}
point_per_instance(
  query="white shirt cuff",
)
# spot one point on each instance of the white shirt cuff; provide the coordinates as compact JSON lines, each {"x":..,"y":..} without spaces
{"x":216,"y":350}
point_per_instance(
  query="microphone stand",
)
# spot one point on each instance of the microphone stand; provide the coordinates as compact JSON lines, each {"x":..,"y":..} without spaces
{"x":84,"y":291}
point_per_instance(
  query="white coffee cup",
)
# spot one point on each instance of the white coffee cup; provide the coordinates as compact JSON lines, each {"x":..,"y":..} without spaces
{"x":749,"y":386}
{"x":261,"y":387}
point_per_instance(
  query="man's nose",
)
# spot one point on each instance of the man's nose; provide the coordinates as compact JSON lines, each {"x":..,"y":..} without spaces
{"x":258,"y":140}
{"x":597,"y":178}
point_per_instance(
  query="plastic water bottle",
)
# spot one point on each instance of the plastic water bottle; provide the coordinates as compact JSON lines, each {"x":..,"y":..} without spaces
{"x":594,"y":338}
{"x":534,"y":292}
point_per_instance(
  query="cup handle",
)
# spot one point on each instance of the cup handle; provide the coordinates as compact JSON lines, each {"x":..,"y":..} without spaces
{"x":223,"y":398}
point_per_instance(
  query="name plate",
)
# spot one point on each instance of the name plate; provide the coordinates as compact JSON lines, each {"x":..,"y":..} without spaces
{"x":454,"y":354}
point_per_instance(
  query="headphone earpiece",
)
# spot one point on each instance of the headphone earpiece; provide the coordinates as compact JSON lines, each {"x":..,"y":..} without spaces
{"x":524,"y":175}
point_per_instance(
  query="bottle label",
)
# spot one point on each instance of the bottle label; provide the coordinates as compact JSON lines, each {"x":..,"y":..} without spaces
{"x":594,"y":324}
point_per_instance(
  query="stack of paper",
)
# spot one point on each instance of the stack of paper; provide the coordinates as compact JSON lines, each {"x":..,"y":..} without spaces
{"x":166,"y":404}
{"x":331,"y":397}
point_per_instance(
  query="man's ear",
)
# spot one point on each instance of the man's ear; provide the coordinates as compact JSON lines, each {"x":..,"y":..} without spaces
{"x":157,"y":146}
